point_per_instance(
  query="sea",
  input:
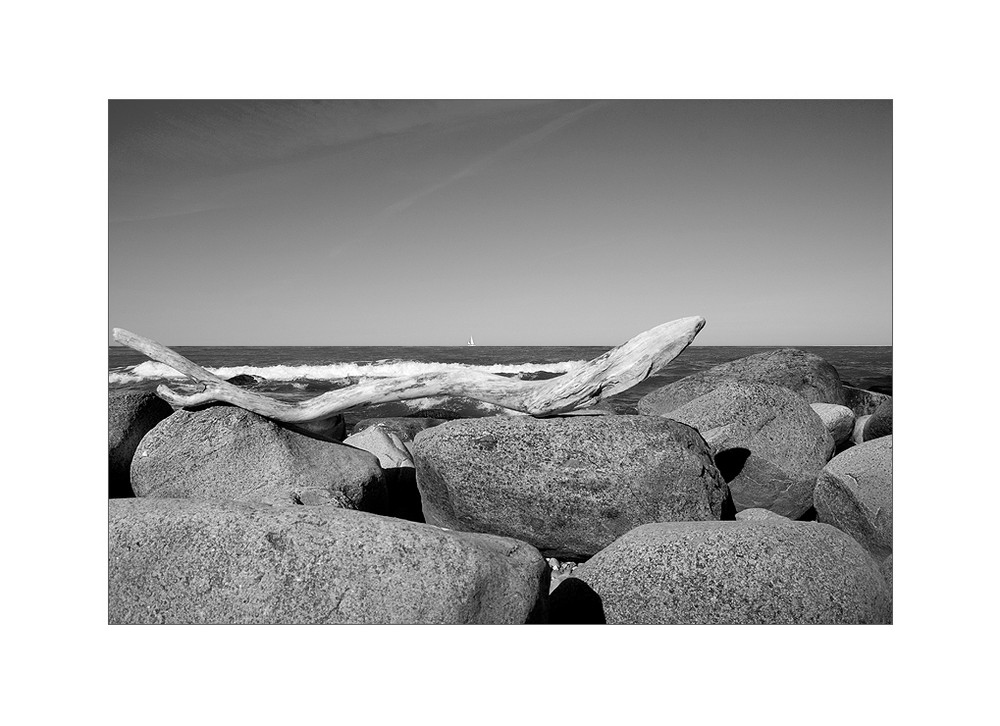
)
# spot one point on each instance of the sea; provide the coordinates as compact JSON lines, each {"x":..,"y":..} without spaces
{"x":301,"y":372}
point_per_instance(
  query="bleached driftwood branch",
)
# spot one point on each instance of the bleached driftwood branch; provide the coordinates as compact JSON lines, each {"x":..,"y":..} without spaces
{"x":617,"y":370}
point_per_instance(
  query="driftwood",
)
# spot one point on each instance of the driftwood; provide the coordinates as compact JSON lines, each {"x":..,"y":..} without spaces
{"x":617,"y":370}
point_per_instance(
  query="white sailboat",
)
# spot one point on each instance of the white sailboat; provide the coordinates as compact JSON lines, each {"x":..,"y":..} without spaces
{"x":471,"y":341}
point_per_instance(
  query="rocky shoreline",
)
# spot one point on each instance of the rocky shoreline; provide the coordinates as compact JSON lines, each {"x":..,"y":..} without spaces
{"x":759,"y":491}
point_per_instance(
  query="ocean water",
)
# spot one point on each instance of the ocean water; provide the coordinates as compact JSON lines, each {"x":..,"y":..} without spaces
{"x":300,"y":372}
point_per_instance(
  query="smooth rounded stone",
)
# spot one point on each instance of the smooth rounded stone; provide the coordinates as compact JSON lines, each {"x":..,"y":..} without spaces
{"x":405,"y":428}
{"x":384,"y":444}
{"x":194,"y":561}
{"x":880,"y":423}
{"x":857,"y":436}
{"x":755,"y":514}
{"x":863,"y":402}
{"x":226,"y":452}
{"x":131,"y":415}
{"x":769,"y":444}
{"x":756,"y":572}
{"x":839,"y":420}
{"x":568,"y":486}
{"x":808,"y":375}
{"x":854,"y":494}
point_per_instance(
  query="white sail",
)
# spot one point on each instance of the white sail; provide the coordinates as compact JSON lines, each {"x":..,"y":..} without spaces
{"x":471,"y":341}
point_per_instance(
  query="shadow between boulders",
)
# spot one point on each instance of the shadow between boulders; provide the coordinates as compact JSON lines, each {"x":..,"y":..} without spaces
{"x":119,"y":487}
{"x":730,"y":462}
{"x":808,"y":516}
{"x":403,"y":497}
{"x":575,"y":603}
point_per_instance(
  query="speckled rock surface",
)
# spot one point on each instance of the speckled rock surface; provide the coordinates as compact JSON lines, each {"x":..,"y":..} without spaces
{"x":785,"y":443}
{"x":736,"y":573}
{"x":756,"y":514}
{"x":226,"y":452}
{"x":568,"y":486}
{"x":854,"y":494}
{"x":880,"y":423}
{"x":839,"y":420}
{"x":808,"y":375}
{"x":131,"y":415}
{"x":863,"y":402}
{"x":191,"y":561}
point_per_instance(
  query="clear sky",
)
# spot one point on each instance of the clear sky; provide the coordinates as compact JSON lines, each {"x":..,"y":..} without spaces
{"x":532,"y":223}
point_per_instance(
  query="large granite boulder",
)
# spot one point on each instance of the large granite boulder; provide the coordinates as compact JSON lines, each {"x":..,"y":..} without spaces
{"x":863,"y":402}
{"x":854,"y":493}
{"x":743,"y":572}
{"x":839,"y":420}
{"x":568,"y":486}
{"x":808,"y":375}
{"x":226,"y":452}
{"x":131,"y":415}
{"x":880,"y":423}
{"x":192,"y":561}
{"x":770,"y":445}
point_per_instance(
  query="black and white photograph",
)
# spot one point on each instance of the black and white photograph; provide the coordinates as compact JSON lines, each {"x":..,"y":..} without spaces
{"x":499,"y":363}
{"x":473,"y":361}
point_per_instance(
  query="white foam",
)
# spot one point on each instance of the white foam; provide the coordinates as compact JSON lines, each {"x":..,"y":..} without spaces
{"x":337,"y":371}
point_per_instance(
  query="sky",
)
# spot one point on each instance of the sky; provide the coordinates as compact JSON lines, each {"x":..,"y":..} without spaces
{"x":518,"y":222}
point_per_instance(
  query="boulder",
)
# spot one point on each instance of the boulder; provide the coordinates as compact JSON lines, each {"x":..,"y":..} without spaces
{"x":743,"y":572}
{"x":769,"y":443}
{"x":880,"y":423}
{"x":226,"y":452}
{"x":385,"y":445}
{"x":808,"y":375}
{"x":839,"y":420}
{"x":131,"y":415}
{"x":193,"y":561}
{"x":863,"y":402}
{"x":854,"y":494}
{"x":568,"y":486}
